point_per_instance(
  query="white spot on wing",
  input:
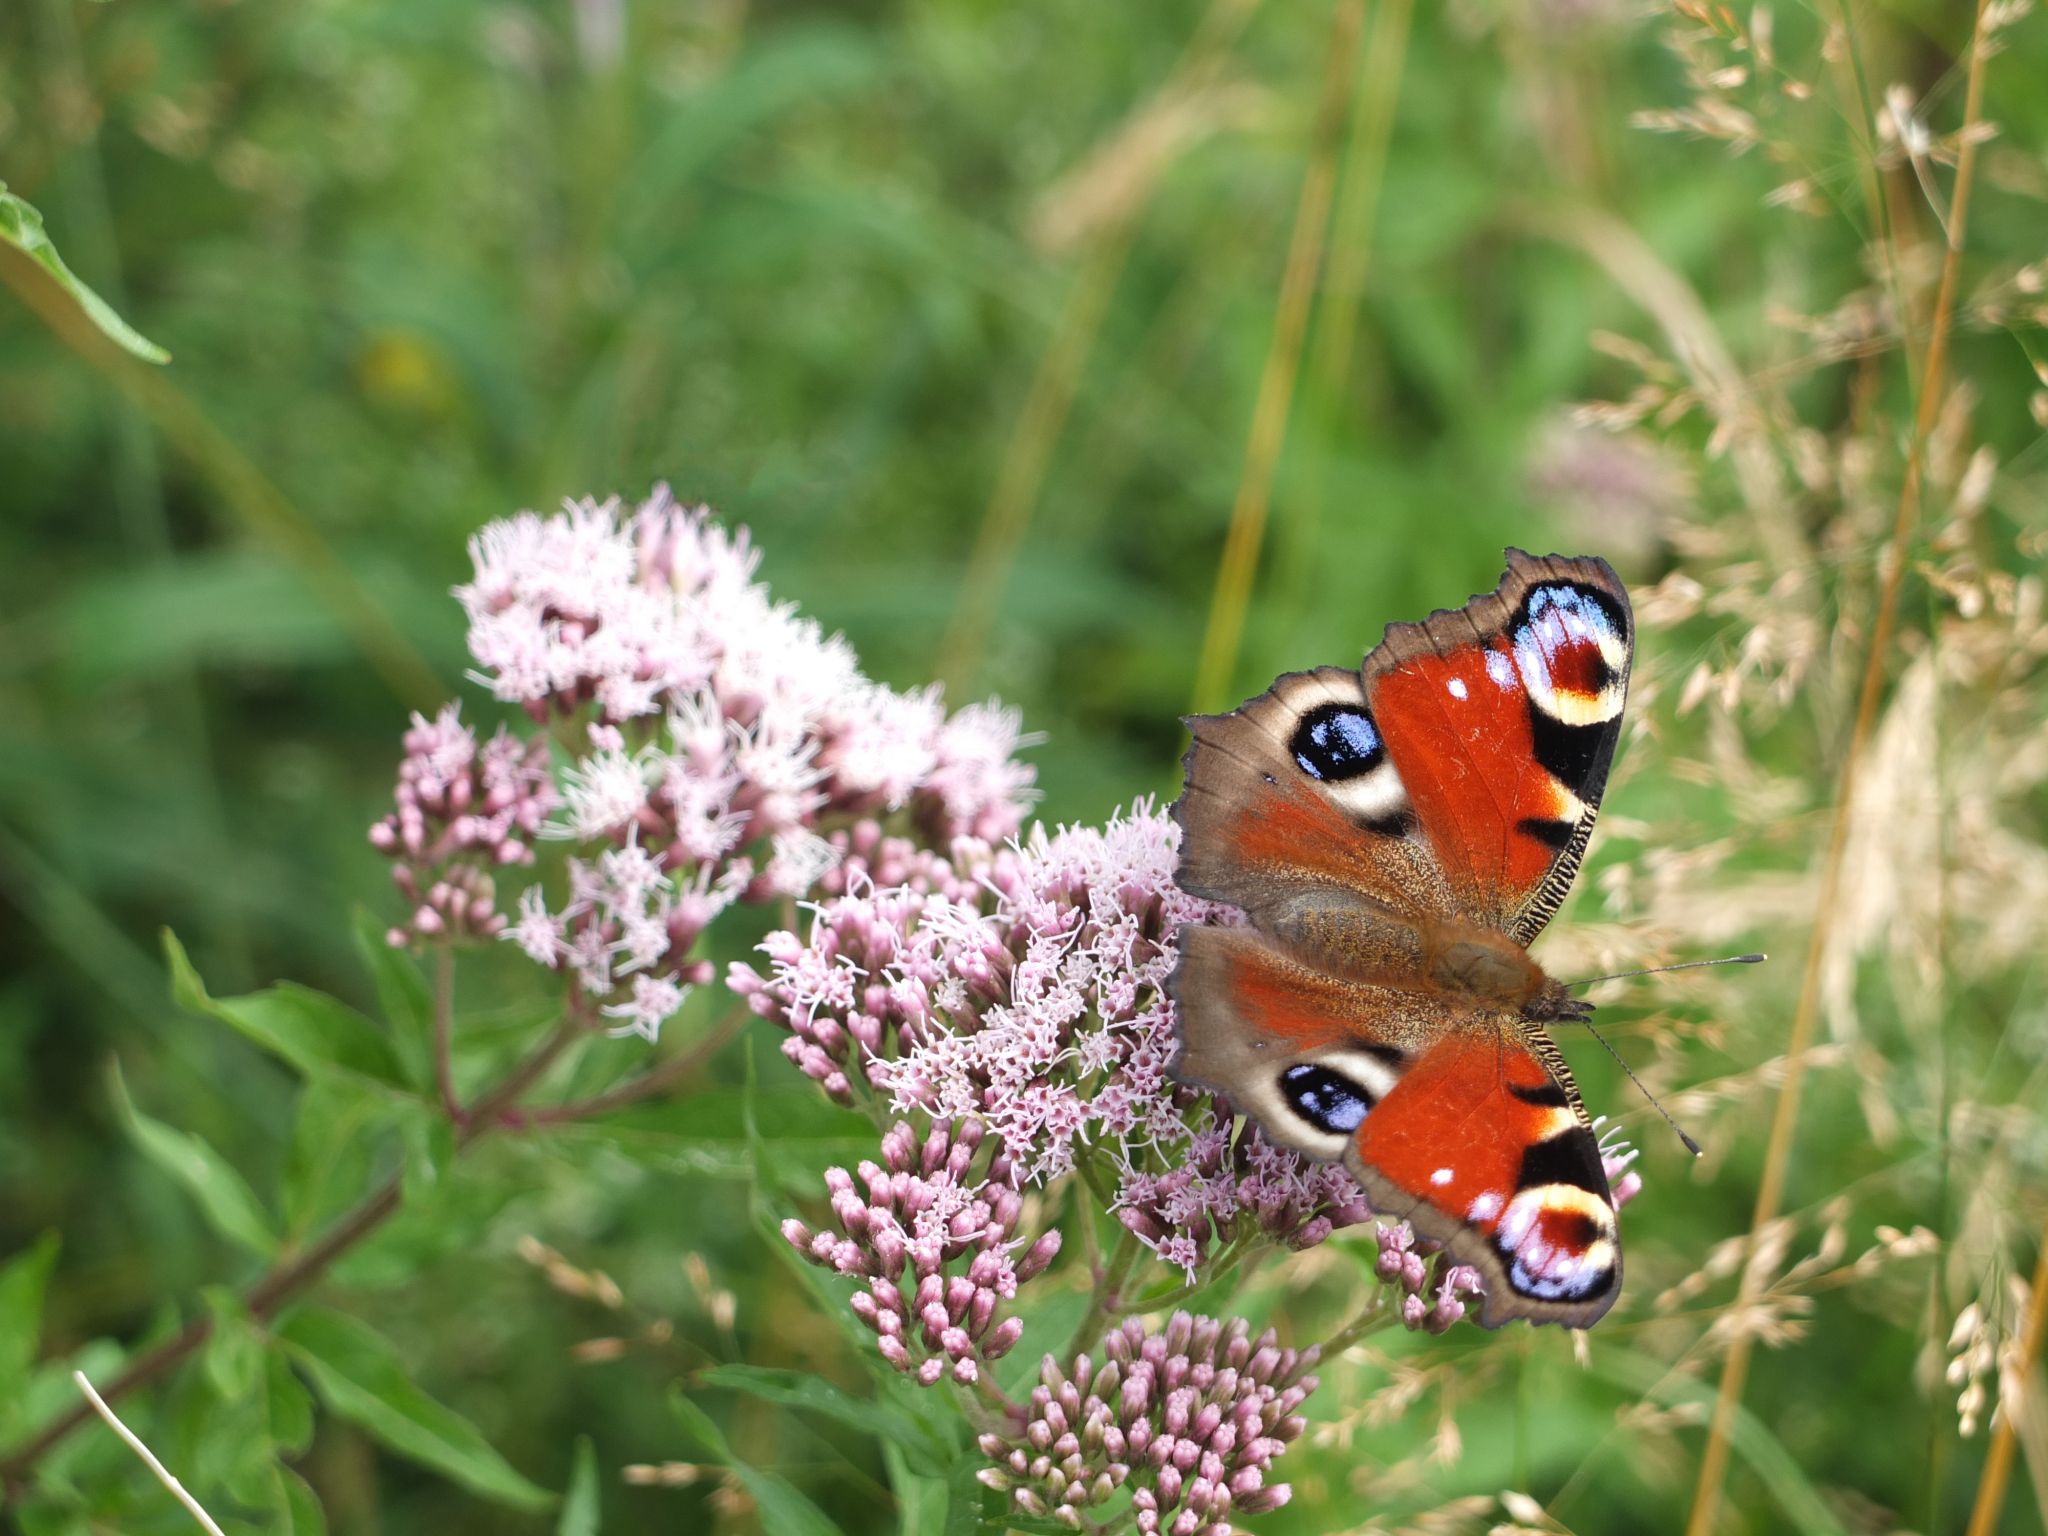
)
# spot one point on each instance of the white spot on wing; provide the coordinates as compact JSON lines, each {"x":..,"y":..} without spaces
{"x":1500,"y":668}
{"x":1484,"y":1208}
{"x":1441,"y":1176}
{"x":1455,"y":688}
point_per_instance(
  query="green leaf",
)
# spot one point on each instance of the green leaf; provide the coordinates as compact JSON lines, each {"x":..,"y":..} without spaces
{"x":298,"y":1510}
{"x":784,"y":1511}
{"x":234,"y":1350}
{"x":336,"y":1142}
{"x":429,"y":1151}
{"x":580,"y":1507}
{"x":23,"y":1281}
{"x":361,"y":1376}
{"x":311,"y":1031}
{"x":922,"y":1500}
{"x":291,"y":1406}
{"x":230,"y":1206}
{"x":404,"y":997}
{"x":22,"y":227}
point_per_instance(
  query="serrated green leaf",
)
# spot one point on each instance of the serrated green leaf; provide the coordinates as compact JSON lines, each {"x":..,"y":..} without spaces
{"x":580,"y":1505}
{"x":361,"y":1377}
{"x":24,"y":1280}
{"x":233,"y":1358}
{"x":335,"y":1141}
{"x":224,"y":1196}
{"x":22,"y":227}
{"x":404,"y":997}
{"x":297,"y":1508}
{"x":784,"y":1511}
{"x":310,"y":1031}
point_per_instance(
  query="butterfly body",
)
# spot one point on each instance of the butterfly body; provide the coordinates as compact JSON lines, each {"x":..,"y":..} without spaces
{"x":1396,"y":836}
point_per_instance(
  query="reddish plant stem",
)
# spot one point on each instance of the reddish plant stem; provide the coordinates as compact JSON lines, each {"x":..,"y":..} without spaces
{"x":656,"y":1081}
{"x":266,"y":1295}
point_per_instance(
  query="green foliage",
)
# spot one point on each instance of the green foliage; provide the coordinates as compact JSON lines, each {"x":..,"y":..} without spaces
{"x":22,"y":227}
{"x":362,"y":1377}
{"x":422,"y":265}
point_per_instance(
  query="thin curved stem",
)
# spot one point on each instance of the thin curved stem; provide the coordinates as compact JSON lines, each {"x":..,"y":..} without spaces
{"x":1234,"y":573}
{"x":650,"y":1084}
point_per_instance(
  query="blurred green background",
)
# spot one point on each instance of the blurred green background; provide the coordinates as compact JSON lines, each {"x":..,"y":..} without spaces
{"x":963,"y":308}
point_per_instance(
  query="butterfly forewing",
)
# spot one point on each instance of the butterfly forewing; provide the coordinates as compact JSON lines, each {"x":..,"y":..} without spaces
{"x":1293,"y":803}
{"x":1501,"y":718}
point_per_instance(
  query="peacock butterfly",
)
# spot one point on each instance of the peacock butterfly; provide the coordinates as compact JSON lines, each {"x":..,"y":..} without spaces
{"x":1397,"y":836}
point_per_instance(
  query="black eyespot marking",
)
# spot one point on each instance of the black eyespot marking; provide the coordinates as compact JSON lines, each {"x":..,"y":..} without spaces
{"x":1573,"y":1158}
{"x":1337,"y":741}
{"x":1572,"y":753}
{"x":1554,"y":834}
{"x":1589,"y":603}
{"x":1325,"y":1099}
{"x":1549,"y":1096}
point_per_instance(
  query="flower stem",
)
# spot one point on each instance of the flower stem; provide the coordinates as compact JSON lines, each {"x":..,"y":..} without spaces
{"x":444,"y":1031}
{"x":657,"y":1080}
{"x":1777,"y":1153}
{"x":1374,"y":1316}
{"x":1108,"y":1293}
{"x":291,"y":1275}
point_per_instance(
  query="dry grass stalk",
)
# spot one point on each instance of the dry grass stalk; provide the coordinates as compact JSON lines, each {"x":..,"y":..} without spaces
{"x":1102,"y":203}
{"x":2012,"y":1407}
{"x":1770,"y":1191}
{"x":134,"y":1443}
{"x":1283,"y":366}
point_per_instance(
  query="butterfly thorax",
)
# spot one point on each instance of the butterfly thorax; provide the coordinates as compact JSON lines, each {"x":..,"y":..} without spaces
{"x":1466,"y":960}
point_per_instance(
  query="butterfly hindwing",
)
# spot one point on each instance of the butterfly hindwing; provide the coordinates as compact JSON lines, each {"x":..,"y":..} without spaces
{"x":1307,"y":1053}
{"x":1483,"y":1146}
{"x":1449,"y":1119}
{"x":1501,"y":719}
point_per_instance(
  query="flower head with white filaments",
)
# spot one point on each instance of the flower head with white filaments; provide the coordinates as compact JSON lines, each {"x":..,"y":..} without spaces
{"x":709,"y":744}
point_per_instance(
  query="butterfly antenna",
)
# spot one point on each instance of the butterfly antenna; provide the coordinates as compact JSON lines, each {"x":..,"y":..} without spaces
{"x":1683,"y":965}
{"x":1690,"y":1145}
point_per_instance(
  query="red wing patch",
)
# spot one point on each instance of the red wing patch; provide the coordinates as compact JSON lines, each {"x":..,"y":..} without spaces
{"x":1482,"y":1149}
{"x":1501,"y":720}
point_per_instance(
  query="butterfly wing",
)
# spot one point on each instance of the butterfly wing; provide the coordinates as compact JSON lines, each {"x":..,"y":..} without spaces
{"x":1293,"y":811}
{"x":1456,"y":775}
{"x":1500,"y":720}
{"x":1483,"y":1146}
{"x":1455,"y":1122}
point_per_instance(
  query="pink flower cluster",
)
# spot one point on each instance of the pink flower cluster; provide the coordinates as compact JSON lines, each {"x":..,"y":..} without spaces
{"x":931,"y":1229}
{"x":657,"y":613}
{"x":721,"y":749}
{"x":1031,"y":998}
{"x":1192,"y":1415}
{"x":462,"y":811}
